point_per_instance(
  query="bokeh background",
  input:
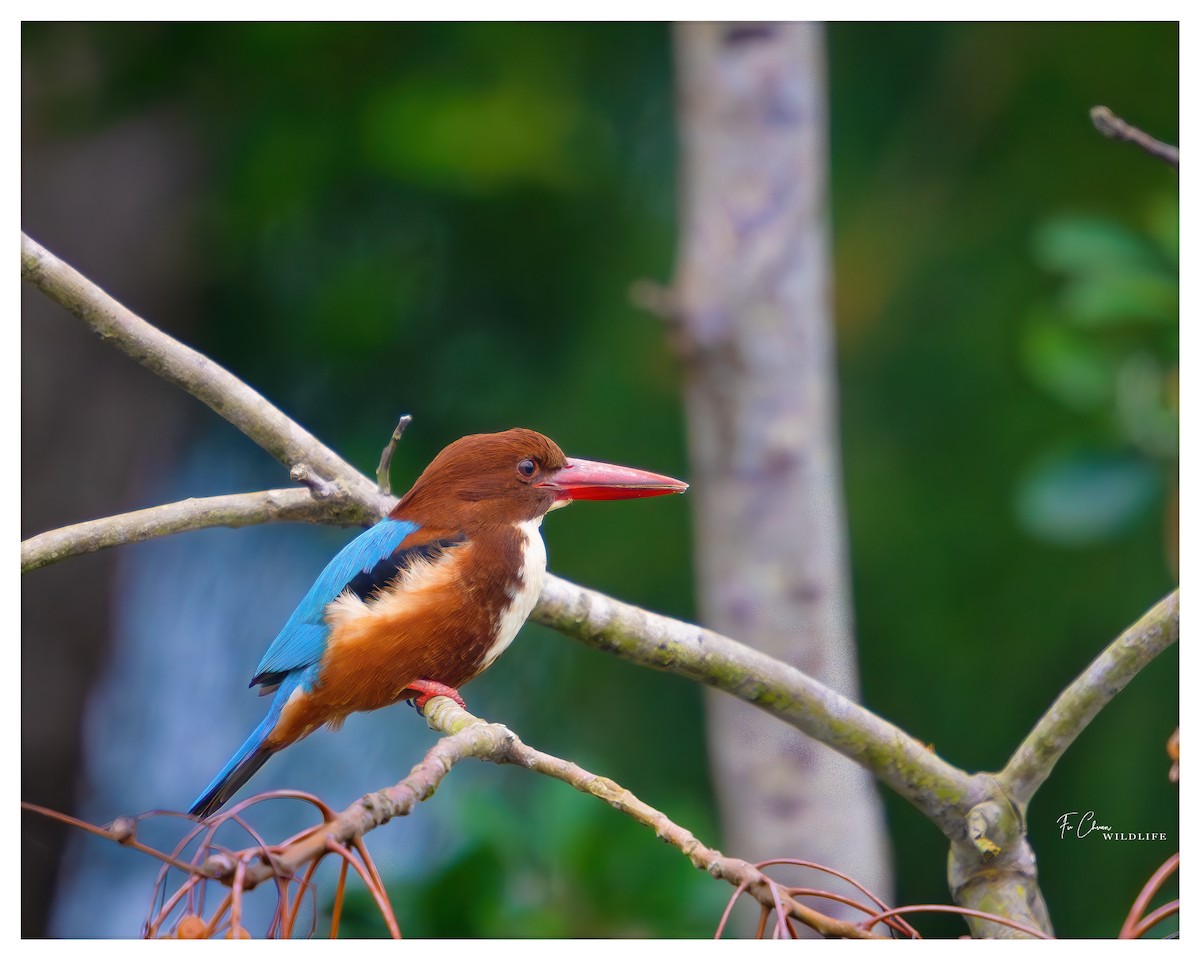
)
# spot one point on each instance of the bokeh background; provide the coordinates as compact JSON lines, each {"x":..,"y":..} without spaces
{"x":367,"y":220}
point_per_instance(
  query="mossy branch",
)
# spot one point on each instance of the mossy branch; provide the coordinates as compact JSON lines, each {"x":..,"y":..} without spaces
{"x":464,"y":737}
{"x":1079,"y":703}
{"x":212,"y":384}
{"x":939,"y":790}
{"x":292,"y":504}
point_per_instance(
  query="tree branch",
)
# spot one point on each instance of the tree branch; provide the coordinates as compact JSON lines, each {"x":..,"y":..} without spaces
{"x":190,"y":370}
{"x":467,"y":736}
{"x":1112,"y":126}
{"x":1075,"y":707}
{"x":233,"y":510}
{"x":941,"y":791}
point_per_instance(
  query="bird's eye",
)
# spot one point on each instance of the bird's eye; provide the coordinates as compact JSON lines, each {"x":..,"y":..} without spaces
{"x":527,"y":468}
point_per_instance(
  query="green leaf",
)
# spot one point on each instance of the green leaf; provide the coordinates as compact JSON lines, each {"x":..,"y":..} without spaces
{"x":1088,"y":245}
{"x":1069,"y":365}
{"x":1164,"y":227}
{"x":480,"y":138}
{"x":1083,"y":497}
{"x":1115,"y":297}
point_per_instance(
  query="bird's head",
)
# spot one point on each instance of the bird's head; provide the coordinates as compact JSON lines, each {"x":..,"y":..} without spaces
{"x":515,"y":476}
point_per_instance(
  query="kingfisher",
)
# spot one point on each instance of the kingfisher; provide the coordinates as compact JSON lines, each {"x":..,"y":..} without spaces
{"x":428,"y":597}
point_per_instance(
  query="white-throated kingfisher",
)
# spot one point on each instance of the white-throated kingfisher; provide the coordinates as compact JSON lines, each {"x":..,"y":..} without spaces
{"x":428,"y":597}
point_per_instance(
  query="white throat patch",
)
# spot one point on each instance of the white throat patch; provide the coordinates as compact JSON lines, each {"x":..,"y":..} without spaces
{"x":525,"y":594}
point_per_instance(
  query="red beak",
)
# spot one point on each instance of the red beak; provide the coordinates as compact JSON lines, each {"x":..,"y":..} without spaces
{"x":589,"y":480}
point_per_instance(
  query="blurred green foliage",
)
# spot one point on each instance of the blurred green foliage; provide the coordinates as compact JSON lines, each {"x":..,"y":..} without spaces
{"x":953,"y":148}
{"x":536,"y":860}
{"x":445,"y":220}
{"x":1108,"y":349}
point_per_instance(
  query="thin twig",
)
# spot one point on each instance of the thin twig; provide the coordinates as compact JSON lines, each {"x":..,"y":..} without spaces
{"x":108,"y":834}
{"x":1112,"y":126}
{"x":883,"y":916}
{"x":737,"y":892}
{"x":234,"y":510}
{"x":377,"y":892}
{"x":893,"y":922}
{"x":472,"y":737}
{"x":339,"y":897}
{"x":236,"y":930}
{"x":383,"y":473}
{"x":214,"y":923}
{"x":1154,"y":918}
{"x":306,"y":885}
{"x":385,"y":906}
{"x":1075,"y":707}
{"x":185,"y":890}
{"x":190,"y":370}
{"x":845,"y":878}
{"x":1147,"y":893}
{"x":467,"y":736}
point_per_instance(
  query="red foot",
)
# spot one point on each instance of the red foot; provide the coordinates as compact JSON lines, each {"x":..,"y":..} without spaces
{"x":430,"y":689}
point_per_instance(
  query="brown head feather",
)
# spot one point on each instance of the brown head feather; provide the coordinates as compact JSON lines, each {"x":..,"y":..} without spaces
{"x":475,"y":482}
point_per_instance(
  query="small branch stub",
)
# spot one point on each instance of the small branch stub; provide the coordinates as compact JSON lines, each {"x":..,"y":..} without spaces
{"x":321,"y":489}
{"x":980,"y":822}
{"x":1112,"y":126}
{"x":192,"y":372}
{"x":383,"y":474}
{"x":655,"y":298}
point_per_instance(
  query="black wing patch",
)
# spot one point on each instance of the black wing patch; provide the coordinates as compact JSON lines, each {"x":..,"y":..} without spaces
{"x":371,"y":582}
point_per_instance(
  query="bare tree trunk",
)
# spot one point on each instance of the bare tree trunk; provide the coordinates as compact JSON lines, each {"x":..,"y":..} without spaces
{"x":752,"y":299}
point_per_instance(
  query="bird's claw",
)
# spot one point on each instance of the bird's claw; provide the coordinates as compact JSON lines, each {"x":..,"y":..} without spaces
{"x":428,"y":689}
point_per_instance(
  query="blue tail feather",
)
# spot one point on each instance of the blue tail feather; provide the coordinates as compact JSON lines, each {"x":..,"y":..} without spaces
{"x":250,"y":755}
{"x":242,"y":767}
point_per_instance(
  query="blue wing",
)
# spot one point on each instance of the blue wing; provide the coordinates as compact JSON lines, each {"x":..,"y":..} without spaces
{"x":301,"y":642}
